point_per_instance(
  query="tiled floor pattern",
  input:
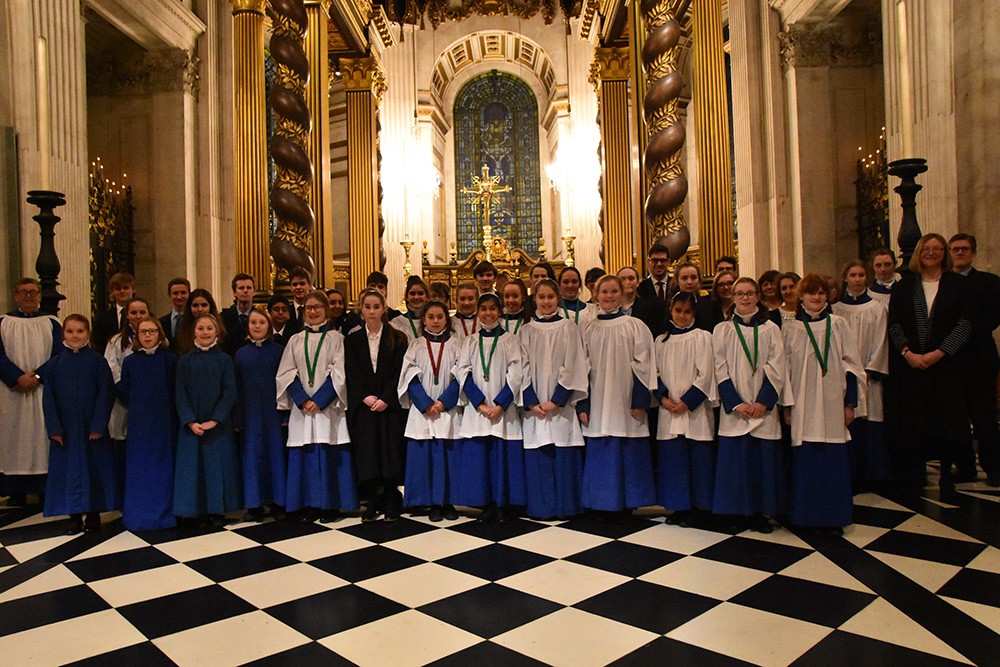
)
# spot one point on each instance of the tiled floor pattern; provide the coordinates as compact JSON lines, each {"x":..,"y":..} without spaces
{"x":915,"y":581}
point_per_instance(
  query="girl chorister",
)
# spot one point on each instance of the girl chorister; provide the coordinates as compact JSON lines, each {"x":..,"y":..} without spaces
{"x":825,"y":384}
{"x":572,"y":307}
{"x":77,"y":394}
{"x":556,"y":381}
{"x":490,"y":370}
{"x":311,"y":385}
{"x":147,"y":387}
{"x":686,"y":423}
{"x":515,"y":311}
{"x":373,"y":361}
{"x":464,"y":322}
{"x":618,"y":471}
{"x":428,"y":388}
{"x":207,"y":477}
{"x":264,"y":452}
{"x":119,"y":347}
{"x":750,"y":479}
{"x":416,"y":297}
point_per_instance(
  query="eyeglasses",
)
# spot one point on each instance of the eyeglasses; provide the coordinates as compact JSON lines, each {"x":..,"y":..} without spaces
{"x":658,"y":260}
{"x":961,"y":249}
{"x":315,"y":307}
{"x":32,"y":292}
{"x":931,"y":250}
{"x":744,"y":295}
{"x":148,"y":332}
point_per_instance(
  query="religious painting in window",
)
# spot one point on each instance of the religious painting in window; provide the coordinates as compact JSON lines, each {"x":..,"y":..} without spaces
{"x":496,"y":124}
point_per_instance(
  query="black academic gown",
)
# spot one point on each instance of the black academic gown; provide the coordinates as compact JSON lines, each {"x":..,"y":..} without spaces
{"x":376,"y":437}
{"x":236,"y":331}
{"x":106,"y":325}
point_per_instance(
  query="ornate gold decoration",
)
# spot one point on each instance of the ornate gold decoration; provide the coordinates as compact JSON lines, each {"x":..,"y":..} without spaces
{"x":511,"y":262}
{"x":290,"y":244}
{"x":610,"y":64}
{"x":441,"y":11}
{"x":484,"y":192}
{"x":111,"y":237}
{"x":838,"y":45}
{"x":364,"y":74}
{"x":255,"y":6}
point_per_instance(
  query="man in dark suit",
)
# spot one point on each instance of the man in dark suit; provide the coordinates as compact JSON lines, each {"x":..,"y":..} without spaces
{"x":301,"y":283}
{"x":653,"y":290}
{"x":984,"y":288}
{"x":234,"y":318}
{"x":121,"y":288}
{"x":281,"y":317}
{"x":178,"y":289}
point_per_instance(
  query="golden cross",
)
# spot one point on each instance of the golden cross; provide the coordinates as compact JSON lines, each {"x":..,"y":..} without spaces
{"x":485,"y":192}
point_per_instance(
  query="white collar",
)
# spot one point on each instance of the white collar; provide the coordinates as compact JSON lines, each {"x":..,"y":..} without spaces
{"x":206,"y":349}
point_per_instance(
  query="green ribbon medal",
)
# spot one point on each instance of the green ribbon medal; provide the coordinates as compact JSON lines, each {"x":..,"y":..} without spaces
{"x":576,"y":319}
{"x":823,"y":359}
{"x":743,"y":342}
{"x":311,"y":364}
{"x":506,"y":325}
{"x":482,"y":356}
{"x":413,"y":327}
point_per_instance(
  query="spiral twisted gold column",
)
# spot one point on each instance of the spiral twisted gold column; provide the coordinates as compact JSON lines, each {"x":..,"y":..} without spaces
{"x":318,"y":100}
{"x":250,"y":142}
{"x":668,"y":187}
{"x":290,"y":193}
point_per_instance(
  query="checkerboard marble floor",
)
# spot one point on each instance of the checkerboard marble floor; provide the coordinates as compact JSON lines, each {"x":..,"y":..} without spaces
{"x":915,"y":581}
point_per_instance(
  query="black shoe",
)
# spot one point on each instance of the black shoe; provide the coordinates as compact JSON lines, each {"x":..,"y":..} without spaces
{"x":277,"y":512}
{"x":993,"y":479}
{"x":451,"y":513}
{"x":329,"y":516}
{"x":74,"y":525}
{"x":435,"y":514}
{"x":761,"y":524}
{"x":216,"y":521}
{"x":488,"y":515}
{"x":964,"y":476}
{"x":93,"y":522}
{"x":371,"y":512}
{"x":17,"y":500}
{"x":393,"y":505}
{"x":255,"y":514}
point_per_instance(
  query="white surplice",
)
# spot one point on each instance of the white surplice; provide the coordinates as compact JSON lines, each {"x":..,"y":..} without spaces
{"x":685,"y":360}
{"x":869,"y":323}
{"x":329,"y":426}
{"x":557,"y":358}
{"x":28,"y":344}
{"x":417,"y":364}
{"x":508,"y":366}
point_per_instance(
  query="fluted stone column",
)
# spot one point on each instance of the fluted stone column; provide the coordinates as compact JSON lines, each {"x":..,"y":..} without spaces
{"x":250,"y":143}
{"x":318,"y":100}
{"x":364,"y":81}
{"x":610,"y":74}
{"x":711,"y":108}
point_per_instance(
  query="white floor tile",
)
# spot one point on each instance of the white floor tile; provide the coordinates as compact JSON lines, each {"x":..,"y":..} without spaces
{"x":818,"y":568}
{"x":875,"y":500}
{"x":125,"y":541}
{"x":779,"y":536}
{"x":319,"y":545}
{"x":284,"y":584}
{"x":563,"y":581}
{"x":861,"y":535}
{"x":69,"y":641}
{"x":985,"y":614}
{"x":422,"y":584}
{"x":706,"y":577}
{"x":204,"y":546}
{"x":404,"y":639}
{"x":918,"y":523}
{"x":53,"y":579}
{"x":929,"y":574}
{"x":884,"y":622}
{"x":437,"y":544}
{"x":232,"y":641}
{"x":676,"y":539}
{"x":423,"y":518}
{"x":149,"y":584}
{"x":573,"y":637}
{"x":556,"y":542}
{"x":32,"y":520}
{"x":749,"y":634}
{"x":988,"y":560}
{"x":27,"y":550}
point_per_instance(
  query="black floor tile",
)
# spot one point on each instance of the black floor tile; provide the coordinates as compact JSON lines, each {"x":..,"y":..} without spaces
{"x":843,"y":648}
{"x":242,"y":563}
{"x":757,"y":554}
{"x":46,"y":608}
{"x":119,"y":563}
{"x":879,"y":516}
{"x":927,"y":547}
{"x":139,"y":655}
{"x":487,"y":654}
{"x":307,"y":655}
{"x":6,"y":558}
{"x":631,"y":560}
{"x":974,"y":586}
{"x":805,"y":600}
{"x":495,"y":561}
{"x":275,"y":531}
{"x":183,"y":611}
{"x":361,"y":564}
{"x":36,"y":531}
{"x":648,"y":606}
{"x":384,"y":531}
{"x":325,"y":614}
{"x":498,"y":531}
{"x":666,"y":651}
{"x":174,"y":534}
{"x":588,"y":524}
{"x":490,"y":610}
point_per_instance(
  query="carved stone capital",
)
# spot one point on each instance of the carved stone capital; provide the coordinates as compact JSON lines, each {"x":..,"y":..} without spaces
{"x":609,"y":64}
{"x":363,"y":74}
{"x":839,"y":45}
{"x":154,"y":72}
{"x":253,"y":6}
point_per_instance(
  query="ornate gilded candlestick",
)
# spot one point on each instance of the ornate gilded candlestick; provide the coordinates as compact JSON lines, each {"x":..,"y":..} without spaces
{"x":568,"y":242}
{"x":452,"y":253}
{"x":425,"y":255}
{"x":541,"y":248}
{"x":407,"y":266}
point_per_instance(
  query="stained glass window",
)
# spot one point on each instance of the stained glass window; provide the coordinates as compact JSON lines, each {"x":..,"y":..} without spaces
{"x":496,"y":124}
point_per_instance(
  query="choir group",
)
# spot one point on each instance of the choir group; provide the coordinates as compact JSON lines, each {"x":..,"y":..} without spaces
{"x":763,"y":399}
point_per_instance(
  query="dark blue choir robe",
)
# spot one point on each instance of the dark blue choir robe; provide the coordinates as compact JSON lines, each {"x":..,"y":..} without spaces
{"x":147,"y":388}
{"x":207,"y":475}
{"x":264,"y":453}
{"x":77,"y":395}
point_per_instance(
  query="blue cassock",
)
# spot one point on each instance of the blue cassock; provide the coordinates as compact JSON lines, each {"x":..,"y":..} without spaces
{"x":264,"y":453}
{"x":77,"y":395}
{"x":206,"y":479}
{"x":147,"y":388}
